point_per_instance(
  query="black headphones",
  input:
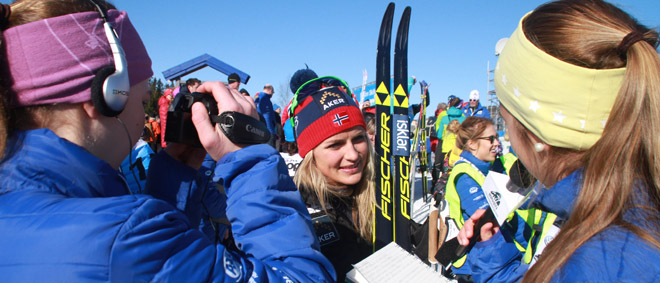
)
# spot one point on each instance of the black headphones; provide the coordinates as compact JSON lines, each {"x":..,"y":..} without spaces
{"x":111,"y":85}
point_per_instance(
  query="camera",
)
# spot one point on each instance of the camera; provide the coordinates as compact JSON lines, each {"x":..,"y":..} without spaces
{"x":179,"y":126}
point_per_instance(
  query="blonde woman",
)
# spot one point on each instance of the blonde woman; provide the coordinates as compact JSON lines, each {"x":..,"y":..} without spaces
{"x":335,"y":177}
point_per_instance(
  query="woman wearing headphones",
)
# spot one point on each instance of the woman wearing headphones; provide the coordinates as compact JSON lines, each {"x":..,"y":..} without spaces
{"x":66,"y":213}
{"x":335,"y":177}
{"x":579,"y":85}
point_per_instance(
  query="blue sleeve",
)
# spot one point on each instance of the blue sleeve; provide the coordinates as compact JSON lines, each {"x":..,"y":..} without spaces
{"x":612,"y":255}
{"x":485,"y":113}
{"x":471,"y":195}
{"x":270,"y":223}
{"x":496,"y":260}
{"x":270,"y":121}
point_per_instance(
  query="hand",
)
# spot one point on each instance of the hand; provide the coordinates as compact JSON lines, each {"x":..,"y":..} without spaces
{"x":214,"y":141}
{"x":487,"y":230}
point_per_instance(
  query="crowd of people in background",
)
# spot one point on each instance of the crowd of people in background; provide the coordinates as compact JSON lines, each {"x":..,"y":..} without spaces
{"x":579,"y":87}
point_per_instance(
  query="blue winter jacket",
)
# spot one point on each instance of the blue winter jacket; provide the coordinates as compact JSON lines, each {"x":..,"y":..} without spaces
{"x":479,"y":111}
{"x":613,"y":255}
{"x":265,"y":108}
{"x":214,"y":202}
{"x":137,"y":180}
{"x":67,"y":216}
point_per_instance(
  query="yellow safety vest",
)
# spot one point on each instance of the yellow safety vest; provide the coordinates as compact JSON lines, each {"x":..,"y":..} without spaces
{"x":454,"y":201}
{"x":541,"y":222}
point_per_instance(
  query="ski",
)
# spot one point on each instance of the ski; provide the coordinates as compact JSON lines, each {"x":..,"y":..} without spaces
{"x":418,"y":151}
{"x":422,"y":138}
{"x":383,"y":208}
{"x":401,"y":144}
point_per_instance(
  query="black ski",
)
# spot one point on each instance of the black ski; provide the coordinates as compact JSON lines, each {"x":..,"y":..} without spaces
{"x":422,"y":141}
{"x":401,"y":145}
{"x":383,"y":211}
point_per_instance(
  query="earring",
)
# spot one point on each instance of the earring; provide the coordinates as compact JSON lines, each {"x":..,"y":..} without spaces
{"x":538,"y":147}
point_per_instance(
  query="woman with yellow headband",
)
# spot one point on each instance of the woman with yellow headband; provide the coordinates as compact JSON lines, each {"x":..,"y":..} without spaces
{"x":579,"y":85}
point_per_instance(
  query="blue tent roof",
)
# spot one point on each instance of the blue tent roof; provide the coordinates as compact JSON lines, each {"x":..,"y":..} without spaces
{"x":200,"y":62}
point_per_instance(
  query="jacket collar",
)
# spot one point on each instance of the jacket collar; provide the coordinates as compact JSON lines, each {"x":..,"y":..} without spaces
{"x":39,"y":159}
{"x":560,"y":198}
{"x":483,"y":166}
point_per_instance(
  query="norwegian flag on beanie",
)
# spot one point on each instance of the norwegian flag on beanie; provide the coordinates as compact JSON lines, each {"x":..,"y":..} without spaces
{"x":323,"y":114}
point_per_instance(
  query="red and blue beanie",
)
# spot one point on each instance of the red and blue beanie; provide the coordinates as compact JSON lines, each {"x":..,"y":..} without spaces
{"x":323,"y":113}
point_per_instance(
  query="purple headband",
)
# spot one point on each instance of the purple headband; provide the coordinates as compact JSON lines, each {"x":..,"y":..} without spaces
{"x":54,"y":60}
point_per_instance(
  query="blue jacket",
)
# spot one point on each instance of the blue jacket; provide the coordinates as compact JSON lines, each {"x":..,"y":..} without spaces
{"x":67,"y":216}
{"x":613,"y":255}
{"x":471,"y":195}
{"x":479,"y":111}
{"x":265,"y":108}
{"x":470,"y":192}
{"x":134,"y":178}
{"x":214,"y":202}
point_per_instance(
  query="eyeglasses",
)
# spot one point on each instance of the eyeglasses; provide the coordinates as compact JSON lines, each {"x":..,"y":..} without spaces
{"x":490,"y":138}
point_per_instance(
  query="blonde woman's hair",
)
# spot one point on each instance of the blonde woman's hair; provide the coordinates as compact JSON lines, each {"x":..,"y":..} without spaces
{"x":308,"y":177}
{"x":626,"y":159}
{"x":453,"y":126}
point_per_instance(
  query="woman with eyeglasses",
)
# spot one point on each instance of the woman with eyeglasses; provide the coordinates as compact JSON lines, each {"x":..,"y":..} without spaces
{"x":335,"y":177}
{"x":479,"y":143}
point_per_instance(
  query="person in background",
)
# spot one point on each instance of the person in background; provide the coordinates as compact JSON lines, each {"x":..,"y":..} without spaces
{"x":155,"y":126}
{"x":478,"y":141}
{"x":233,"y":81}
{"x":581,"y":101}
{"x":191,"y":86}
{"x":163,"y":105}
{"x":453,"y":113}
{"x":335,"y":177}
{"x":78,"y":221}
{"x":244,"y":92}
{"x":265,"y":109}
{"x":474,"y":107}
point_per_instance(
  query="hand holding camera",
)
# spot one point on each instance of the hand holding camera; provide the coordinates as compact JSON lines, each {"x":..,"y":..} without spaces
{"x":212,"y":138}
{"x":193,"y":121}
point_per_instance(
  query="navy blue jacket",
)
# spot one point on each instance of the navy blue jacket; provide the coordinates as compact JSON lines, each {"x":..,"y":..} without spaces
{"x":479,"y":111}
{"x":67,"y":216}
{"x":265,"y":108}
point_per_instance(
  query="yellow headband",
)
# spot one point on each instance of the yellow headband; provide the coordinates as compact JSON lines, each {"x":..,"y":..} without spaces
{"x":563,"y":104}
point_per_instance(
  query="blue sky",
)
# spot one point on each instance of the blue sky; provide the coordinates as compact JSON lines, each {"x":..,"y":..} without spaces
{"x":450,"y":42}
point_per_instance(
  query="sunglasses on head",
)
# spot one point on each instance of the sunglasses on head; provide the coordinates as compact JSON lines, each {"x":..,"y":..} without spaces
{"x":491,"y":139}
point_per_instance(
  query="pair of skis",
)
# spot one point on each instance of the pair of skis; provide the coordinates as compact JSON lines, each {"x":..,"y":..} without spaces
{"x":393,"y":205}
{"x":418,"y":151}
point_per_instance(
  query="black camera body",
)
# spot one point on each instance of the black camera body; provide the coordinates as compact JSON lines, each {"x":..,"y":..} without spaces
{"x":179,"y":127}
